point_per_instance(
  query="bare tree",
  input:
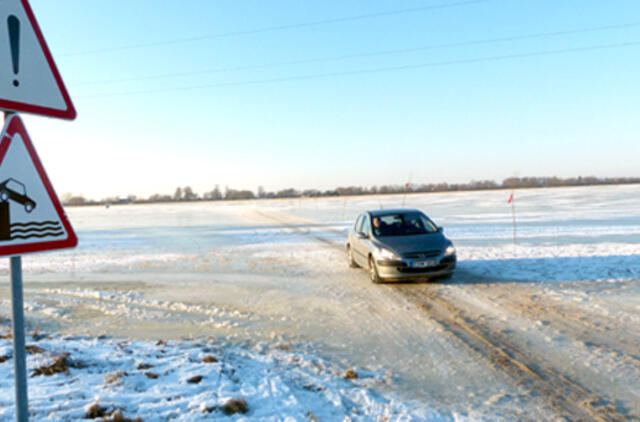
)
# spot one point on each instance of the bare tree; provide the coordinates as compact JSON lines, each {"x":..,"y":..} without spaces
{"x":188,"y":194}
{"x":177,"y":196}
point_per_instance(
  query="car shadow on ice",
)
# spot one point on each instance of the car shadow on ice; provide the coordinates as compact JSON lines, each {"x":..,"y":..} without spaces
{"x":547,"y":269}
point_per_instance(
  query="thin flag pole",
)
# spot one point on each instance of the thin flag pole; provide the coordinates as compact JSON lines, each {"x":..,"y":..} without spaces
{"x":513,"y":216}
{"x":406,"y":188}
{"x":404,"y":197}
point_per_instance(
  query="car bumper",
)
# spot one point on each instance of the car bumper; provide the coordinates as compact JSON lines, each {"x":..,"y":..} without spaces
{"x":403,"y":270}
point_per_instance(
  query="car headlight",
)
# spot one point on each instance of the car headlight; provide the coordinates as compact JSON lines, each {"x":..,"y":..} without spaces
{"x":449,"y":250}
{"x":386,"y":254}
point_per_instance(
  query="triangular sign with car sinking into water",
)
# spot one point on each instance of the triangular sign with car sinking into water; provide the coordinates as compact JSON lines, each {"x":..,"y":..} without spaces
{"x":31,"y":216}
{"x":29,"y":79}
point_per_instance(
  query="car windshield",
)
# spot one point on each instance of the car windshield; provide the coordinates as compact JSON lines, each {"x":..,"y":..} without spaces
{"x":402,"y":224}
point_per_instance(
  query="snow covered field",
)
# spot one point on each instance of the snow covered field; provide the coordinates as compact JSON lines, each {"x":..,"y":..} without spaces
{"x":546,"y":328}
{"x":193,"y":380}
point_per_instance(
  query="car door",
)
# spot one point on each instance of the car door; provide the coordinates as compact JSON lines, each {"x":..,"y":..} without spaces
{"x":362,"y":240}
{"x":354,"y":238}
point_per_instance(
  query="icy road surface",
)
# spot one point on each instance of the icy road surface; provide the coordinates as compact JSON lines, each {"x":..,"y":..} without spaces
{"x":547,"y":328}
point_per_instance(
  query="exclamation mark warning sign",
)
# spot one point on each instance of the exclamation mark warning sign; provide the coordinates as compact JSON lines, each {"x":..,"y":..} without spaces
{"x":29,"y":79}
{"x":13,"y":24}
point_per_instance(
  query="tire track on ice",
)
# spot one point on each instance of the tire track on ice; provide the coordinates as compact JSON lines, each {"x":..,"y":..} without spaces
{"x":567,"y":397}
{"x":592,"y":330}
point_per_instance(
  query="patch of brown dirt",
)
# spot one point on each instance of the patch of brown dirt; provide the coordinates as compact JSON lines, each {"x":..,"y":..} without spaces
{"x":59,"y":365}
{"x":233,"y":406}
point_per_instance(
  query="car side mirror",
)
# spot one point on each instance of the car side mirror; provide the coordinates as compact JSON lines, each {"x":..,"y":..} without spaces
{"x":440,"y":229}
{"x":362,"y":235}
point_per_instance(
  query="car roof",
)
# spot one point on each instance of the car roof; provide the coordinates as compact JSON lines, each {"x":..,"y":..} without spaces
{"x":375,"y":213}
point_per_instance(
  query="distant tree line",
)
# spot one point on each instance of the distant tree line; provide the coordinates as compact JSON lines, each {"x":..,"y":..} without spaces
{"x":186,"y":193}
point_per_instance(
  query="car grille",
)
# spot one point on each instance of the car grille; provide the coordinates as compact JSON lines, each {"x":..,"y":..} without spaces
{"x":422,"y":255}
{"x":409,"y":270}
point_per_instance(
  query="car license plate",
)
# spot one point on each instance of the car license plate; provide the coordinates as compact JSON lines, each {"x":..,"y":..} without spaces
{"x":424,"y":264}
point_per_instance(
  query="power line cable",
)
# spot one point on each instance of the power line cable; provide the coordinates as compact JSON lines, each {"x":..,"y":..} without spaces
{"x":363,"y":55}
{"x":375,"y":70}
{"x":274,"y":28}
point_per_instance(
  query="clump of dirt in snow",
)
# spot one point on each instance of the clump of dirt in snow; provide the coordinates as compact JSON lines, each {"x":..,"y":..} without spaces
{"x":208,"y":409}
{"x":233,"y":406}
{"x":96,"y":411}
{"x":33,"y":349}
{"x":114,"y":377}
{"x":60,"y":365}
{"x":35,"y":334}
{"x":209,"y":359}
{"x":312,"y":417}
{"x":117,"y":416}
{"x":350,"y":374}
{"x":143,"y":366}
{"x":285,"y":347}
{"x":195,"y":380}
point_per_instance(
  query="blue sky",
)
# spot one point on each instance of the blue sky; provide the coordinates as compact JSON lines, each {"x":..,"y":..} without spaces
{"x":177,"y":113}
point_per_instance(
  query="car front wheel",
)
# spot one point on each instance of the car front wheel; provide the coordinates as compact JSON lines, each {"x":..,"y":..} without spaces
{"x":373,"y":271}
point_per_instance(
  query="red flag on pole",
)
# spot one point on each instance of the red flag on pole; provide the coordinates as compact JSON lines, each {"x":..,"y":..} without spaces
{"x":510,"y":198}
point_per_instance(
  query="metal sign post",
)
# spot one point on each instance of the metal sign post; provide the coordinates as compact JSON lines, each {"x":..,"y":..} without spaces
{"x":19,"y":358}
{"x":17,"y":327}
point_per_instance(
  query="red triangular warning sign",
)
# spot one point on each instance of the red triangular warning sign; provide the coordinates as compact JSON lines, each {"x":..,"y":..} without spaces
{"x":31,"y":216}
{"x":29,"y":79}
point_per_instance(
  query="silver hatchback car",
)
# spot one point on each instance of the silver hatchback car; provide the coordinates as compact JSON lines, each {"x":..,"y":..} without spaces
{"x":400,"y":244}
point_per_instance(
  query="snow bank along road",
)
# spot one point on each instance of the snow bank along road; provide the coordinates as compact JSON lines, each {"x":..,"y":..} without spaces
{"x":546,"y":329}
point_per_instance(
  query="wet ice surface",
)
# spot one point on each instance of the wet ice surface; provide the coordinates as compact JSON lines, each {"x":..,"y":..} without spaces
{"x":275,"y":271}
